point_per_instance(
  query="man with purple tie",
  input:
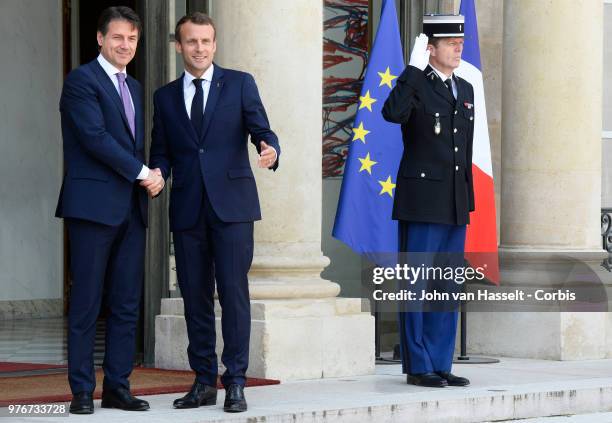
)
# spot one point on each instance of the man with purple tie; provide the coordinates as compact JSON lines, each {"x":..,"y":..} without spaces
{"x":104,"y":203}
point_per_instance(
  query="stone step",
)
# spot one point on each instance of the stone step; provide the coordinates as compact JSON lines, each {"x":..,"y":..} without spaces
{"x":579,"y":418}
{"x":512,"y":389}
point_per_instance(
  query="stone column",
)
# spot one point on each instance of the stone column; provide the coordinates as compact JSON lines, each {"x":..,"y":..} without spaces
{"x":300,"y":329}
{"x":551,"y":171}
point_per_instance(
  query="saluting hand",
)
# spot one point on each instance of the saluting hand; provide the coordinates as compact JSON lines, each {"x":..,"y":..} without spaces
{"x":419,"y":58}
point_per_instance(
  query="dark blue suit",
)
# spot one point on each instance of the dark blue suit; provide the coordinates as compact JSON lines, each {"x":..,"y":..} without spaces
{"x":213,"y":204}
{"x":106,"y":213}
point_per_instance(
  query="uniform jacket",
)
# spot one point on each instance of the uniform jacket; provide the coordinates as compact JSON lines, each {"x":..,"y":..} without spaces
{"x":434,"y":181}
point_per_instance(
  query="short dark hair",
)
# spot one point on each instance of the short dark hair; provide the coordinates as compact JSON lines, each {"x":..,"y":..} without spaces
{"x":197,"y":18}
{"x":122,"y":13}
{"x":434,"y":41}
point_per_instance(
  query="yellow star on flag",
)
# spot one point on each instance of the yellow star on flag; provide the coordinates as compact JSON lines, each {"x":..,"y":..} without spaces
{"x":367,"y":163}
{"x":386,"y":78}
{"x":366,"y":101}
{"x":360,"y":133}
{"x":387,"y":187}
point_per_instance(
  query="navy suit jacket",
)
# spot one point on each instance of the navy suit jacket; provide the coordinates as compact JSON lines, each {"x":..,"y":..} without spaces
{"x":218,"y":162}
{"x":101,"y":157}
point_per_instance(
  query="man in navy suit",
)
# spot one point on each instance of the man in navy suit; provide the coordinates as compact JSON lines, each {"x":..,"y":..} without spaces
{"x":201,"y":126}
{"x":105,"y":210}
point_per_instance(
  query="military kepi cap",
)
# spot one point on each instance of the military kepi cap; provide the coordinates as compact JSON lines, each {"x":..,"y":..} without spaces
{"x":439,"y":26}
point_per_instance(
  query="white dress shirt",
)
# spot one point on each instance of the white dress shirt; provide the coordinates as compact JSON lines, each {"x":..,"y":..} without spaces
{"x":189,"y":88}
{"x":112,"y":72}
{"x":444,"y":77}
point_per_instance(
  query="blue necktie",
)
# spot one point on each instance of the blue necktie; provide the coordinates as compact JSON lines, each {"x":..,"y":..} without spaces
{"x":197,"y":107}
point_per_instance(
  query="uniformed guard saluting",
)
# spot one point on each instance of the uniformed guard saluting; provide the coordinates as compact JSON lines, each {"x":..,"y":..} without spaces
{"x":434,"y":192}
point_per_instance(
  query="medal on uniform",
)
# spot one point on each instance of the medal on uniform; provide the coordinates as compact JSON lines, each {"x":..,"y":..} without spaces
{"x":437,"y":126}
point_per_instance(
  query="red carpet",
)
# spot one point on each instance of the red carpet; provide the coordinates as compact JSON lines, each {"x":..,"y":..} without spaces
{"x":36,"y":389}
{"x":6,"y":367}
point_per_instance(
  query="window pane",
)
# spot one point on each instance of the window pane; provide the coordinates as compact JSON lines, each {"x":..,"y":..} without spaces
{"x":345,"y":50}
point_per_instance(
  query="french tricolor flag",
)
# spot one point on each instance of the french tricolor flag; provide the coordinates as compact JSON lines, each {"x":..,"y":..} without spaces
{"x":482,"y":232}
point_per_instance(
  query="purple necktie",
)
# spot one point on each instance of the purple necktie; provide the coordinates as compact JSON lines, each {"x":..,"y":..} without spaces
{"x":127,"y":104}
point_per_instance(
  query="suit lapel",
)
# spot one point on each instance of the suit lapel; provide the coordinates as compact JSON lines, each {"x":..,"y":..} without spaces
{"x":438,"y":85}
{"x":216,"y":86}
{"x":179,"y":100}
{"x":109,"y":87}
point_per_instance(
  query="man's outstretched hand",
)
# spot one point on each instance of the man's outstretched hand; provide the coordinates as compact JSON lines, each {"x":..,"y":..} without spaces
{"x":267,"y":155}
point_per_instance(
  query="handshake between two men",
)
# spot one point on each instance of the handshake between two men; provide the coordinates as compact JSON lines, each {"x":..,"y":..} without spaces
{"x":154,"y":182}
{"x":214,"y":203}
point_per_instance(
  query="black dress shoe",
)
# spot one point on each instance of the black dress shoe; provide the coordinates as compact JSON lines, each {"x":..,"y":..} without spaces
{"x":82,"y":403}
{"x":122,"y":398}
{"x":431,"y":380}
{"x":454,"y":380}
{"x":199,"y":394}
{"x":234,"y":399}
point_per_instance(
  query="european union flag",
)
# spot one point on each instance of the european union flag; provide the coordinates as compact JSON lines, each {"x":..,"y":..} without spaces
{"x":363,"y":219}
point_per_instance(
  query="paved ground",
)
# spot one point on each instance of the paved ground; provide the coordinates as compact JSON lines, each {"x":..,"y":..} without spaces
{"x":514,"y":388}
